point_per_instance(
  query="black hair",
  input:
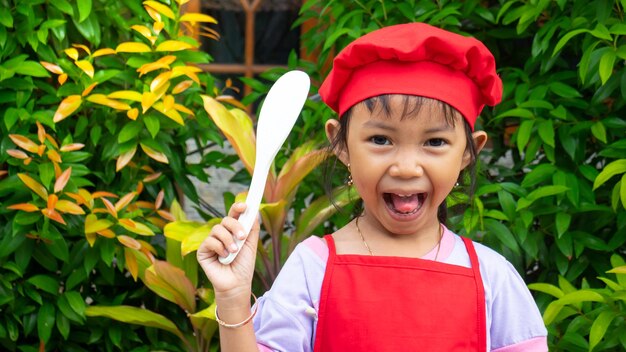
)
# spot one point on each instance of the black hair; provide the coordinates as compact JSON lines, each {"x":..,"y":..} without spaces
{"x":411,"y":107}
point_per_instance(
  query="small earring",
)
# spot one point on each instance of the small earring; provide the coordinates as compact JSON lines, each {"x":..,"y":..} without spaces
{"x":349,"y":182}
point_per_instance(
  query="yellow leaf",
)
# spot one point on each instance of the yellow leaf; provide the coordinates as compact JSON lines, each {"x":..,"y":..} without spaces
{"x":182,"y":2}
{"x":144,"y":204}
{"x":18,"y":154}
{"x":157,"y":27}
{"x":158,"y":156}
{"x":106,"y":233}
{"x":126,"y":95}
{"x":197,"y":17}
{"x":27,"y":207}
{"x":131,"y":263}
{"x":52,"y":141}
{"x":129,"y":242}
{"x":72,"y":53}
{"x":147,"y":100}
{"x":124,"y":201}
{"x":86,"y":66}
{"x":167,"y":59}
{"x":24,"y":143}
{"x":173,"y":45}
{"x":93,"y":224}
{"x":110,"y":207}
{"x":230,"y":100}
{"x":152,"y":66}
{"x":236,"y":126}
{"x":62,"y":78}
{"x":103,"y":52}
{"x":136,"y":227}
{"x":152,"y":177}
{"x":124,"y":159}
{"x":67,"y":107}
{"x":88,"y":197}
{"x":91,"y":238}
{"x":106,"y":101}
{"x":72,"y":147}
{"x":132,"y":114}
{"x":143,"y":30}
{"x":182,"y":86}
{"x":168,"y":102}
{"x":62,"y":180}
{"x":54,"y":156}
{"x":65,"y":206}
{"x":133,"y":47}
{"x":53,"y":215}
{"x":34,"y":186}
{"x":89,"y":89}
{"x":51,"y":67}
{"x":41,"y":132}
{"x":160,"y":80}
{"x":82,"y":47}
{"x":172,"y":114}
{"x":183,"y":109}
{"x":160,"y":8}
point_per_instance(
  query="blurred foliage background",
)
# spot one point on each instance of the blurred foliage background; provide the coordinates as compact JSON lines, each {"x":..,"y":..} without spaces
{"x":100,"y":100}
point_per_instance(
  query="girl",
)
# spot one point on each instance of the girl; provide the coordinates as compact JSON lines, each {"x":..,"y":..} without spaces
{"x":395,"y":278}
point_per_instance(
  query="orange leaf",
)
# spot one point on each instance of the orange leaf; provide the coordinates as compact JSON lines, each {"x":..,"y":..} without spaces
{"x":152,"y":177}
{"x":143,"y":204}
{"x":34,"y":185}
{"x":158,"y":156}
{"x":106,"y":101}
{"x":139,"y":187}
{"x":87,"y":197}
{"x":24,"y":143}
{"x":72,"y":53}
{"x":52,"y":141}
{"x":65,"y":206}
{"x":54,"y":156}
{"x":86,"y":66}
{"x":62,"y":78}
{"x":27,"y":207}
{"x":76,"y":197}
{"x":174,"y":45}
{"x":41,"y":132}
{"x":89,"y":89}
{"x":173,"y":280}
{"x":159,"y":199}
{"x":147,"y":246}
{"x":91,"y":238}
{"x":72,"y":147}
{"x":62,"y":180}
{"x":53,"y":215}
{"x":124,"y":201}
{"x":147,"y":100}
{"x":82,"y":47}
{"x":51,"y":67}
{"x":57,"y":170}
{"x":41,"y":149}
{"x":106,"y":233}
{"x":133,"y":47}
{"x":129,"y":242}
{"x":230,"y":100}
{"x":160,"y":8}
{"x":167,"y":59}
{"x":100,"y":194}
{"x":110,"y":207}
{"x":67,"y":107}
{"x":158,"y":222}
{"x":131,"y":263}
{"x":132,"y":113}
{"x":166,"y":215}
{"x":136,"y":227}
{"x":18,"y":154}
{"x":102,"y":52}
{"x":160,"y":80}
{"x":125,"y":158}
{"x":52,"y":201}
{"x":182,"y":86}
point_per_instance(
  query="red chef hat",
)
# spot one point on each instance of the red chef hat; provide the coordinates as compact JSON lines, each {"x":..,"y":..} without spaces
{"x":414,"y":59}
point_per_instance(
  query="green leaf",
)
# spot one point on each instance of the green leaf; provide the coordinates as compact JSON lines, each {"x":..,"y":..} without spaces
{"x":84,"y":9}
{"x":564,"y":90}
{"x":546,"y":132}
{"x":601,"y":32}
{"x":562,"y":223}
{"x":6,"y":19}
{"x":523,"y":134}
{"x":63,"y":325}
{"x":566,"y":38}
{"x":76,"y":302}
{"x":152,"y":124}
{"x":503,"y":234}
{"x":45,"y":321}
{"x":612,"y":169}
{"x":46,"y":174}
{"x":606,"y":65}
{"x":547,"y":288}
{"x":580,"y":296}
{"x":129,"y":131}
{"x":622,"y":193}
{"x":45,"y":283}
{"x":599,"y":327}
{"x":598,"y":131}
{"x":541,"y":192}
{"x":31,"y":68}
{"x":539,"y":174}
{"x":134,"y":315}
{"x":64,"y":6}
{"x":551,"y":312}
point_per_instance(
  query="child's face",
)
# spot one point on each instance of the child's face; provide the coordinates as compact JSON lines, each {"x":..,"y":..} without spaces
{"x":404,"y":168}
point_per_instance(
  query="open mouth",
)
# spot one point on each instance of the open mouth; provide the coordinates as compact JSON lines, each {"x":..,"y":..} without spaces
{"x":404,"y":204}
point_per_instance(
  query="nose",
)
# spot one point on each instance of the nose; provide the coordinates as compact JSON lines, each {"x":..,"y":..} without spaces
{"x":407,"y":164}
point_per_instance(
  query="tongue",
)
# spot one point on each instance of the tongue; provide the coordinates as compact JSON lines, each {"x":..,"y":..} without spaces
{"x":405,"y":204}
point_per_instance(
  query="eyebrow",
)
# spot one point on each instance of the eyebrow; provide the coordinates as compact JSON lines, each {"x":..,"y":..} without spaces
{"x":384,"y":126}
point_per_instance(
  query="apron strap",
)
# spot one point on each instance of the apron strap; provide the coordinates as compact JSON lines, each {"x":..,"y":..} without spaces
{"x":480,"y":293}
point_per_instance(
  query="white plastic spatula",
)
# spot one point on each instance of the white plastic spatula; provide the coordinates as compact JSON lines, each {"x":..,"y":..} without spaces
{"x":278,"y":115}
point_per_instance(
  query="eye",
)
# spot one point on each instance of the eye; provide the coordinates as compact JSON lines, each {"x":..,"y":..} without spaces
{"x":436,"y":142}
{"x":379,"y":140}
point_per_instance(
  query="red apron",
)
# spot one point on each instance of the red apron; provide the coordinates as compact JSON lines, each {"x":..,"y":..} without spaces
{"x":372,"y":303}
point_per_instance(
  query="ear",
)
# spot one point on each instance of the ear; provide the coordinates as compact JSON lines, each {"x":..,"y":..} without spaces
{"x":480,"y":139}
{"x":332,"y":130}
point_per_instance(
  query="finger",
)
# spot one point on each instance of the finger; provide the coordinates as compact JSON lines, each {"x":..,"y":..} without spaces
{"x":211,"y":247}
{"x":225,"y":236}
{"x":234,"y":227}
{"x":236,"y":210}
